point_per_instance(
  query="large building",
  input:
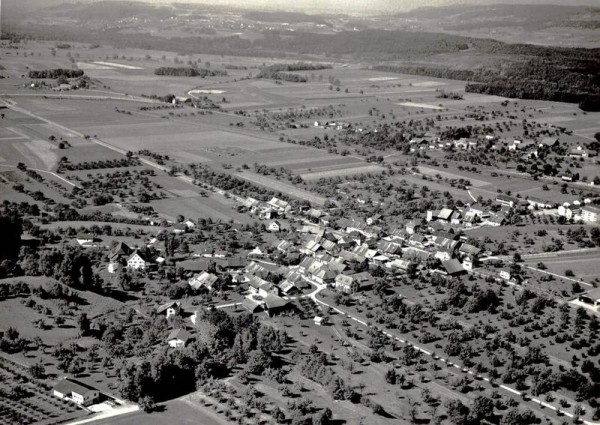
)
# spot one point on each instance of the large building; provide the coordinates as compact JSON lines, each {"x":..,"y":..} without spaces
{"x":76,"y":391}
{"x":590,"y":214}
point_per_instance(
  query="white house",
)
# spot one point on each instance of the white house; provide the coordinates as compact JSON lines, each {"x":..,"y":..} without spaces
{"x":179,"y":338}
{"x":274,"y":226}
{"x":169,"y":309}
{"x":76,"y":391}
{"x":137,"y":261}
{"x":85,"y":239}
{"x":590,"y":214}
{"x":204,"y":279}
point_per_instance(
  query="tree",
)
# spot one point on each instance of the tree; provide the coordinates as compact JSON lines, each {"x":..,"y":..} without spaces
{"x":11,"y":228}
{"x":37,"y":370}
{"x":147,"y":404}
{"x":84,"y":323}
{"x":483,"y":408}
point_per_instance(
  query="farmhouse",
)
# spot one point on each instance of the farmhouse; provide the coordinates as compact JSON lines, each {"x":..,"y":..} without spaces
{"x":507,"y":201}
{"x":279,"y":205}
{"x":351,"y":284}
{"x":179,"y":228}
{"x":581,"y":152}
{"x":203,"y":280}
{"x":169,"y":309}
{"x":139,"y":261}
{"x":445,"y":214}
{"x":591,"y":297}
{"x":453,"y":267}
{"x":399,"y":264}
{"x":75,"y":391}
{"x":540,"y":203}
{"x":179,"y":338}
{"x":274,"y":226}
{"x":84,"y":239}
{"x":505,"y":274}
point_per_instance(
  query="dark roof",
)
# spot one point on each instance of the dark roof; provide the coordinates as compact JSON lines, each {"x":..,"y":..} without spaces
{"x":453,"y":266}
{"x":181,"y":334}
{"x":165,"y":307}
{"x":67,"y":386}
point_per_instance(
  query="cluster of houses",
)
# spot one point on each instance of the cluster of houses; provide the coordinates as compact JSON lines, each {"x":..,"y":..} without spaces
{"x":527,"y":147}
{"x":582,"y":211}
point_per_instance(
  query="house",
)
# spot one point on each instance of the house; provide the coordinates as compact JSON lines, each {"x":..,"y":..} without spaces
{"x":389,"y":248}
{"x":84,"y":239}
{"x":252,"y":305}
{"x":279,"y":205}
{"x":507,"y":201}
{"x":321,"y":321}
{"x":453,"y":267}
{"x":351,"y":284}
{"x":261,"y":287}
{"x":549,"y":142}
{"x":169,"y":309}
{"x":324,"y":275}
{"x":412,"y":227}
{"x":189,"y":224}
{"x":540,"y":203}
{"x":117,"y":255}
{"x":580,"y":152}
{"x":76,"y":391}
{"x":179,"y":338}
{"x":495,"y":220}
{"x":139,"y":261}
{"x":285,"y":246}
{"x":591,"y":297}
{"x":417,"y":240}
{"x":445,"y":214}
{"x":274,"y":304}
{"x":399,"y":264}
{"x":288,"y":288}
{"x":179,"y":228}
{"x":274,"y":226}
{"x":468,"y":263}
{"x":443,"y":255}
{"x":204,"y":279}
{"x":504,"y":274}
{"x":590,"y":214}
{"x":469,"y":250}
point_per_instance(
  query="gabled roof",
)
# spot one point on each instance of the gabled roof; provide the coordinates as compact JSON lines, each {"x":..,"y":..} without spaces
{"x":164,"y":307}
{"x":344,"y":279}
{"x":180,"y":334}
{"x":469,"y":249}
{"x":400,"y":263}
{"x":67,"y":386}
{"x":121,"y":249}
{"x":251,"y":304}
{"x":203,"y":279}
{"x":453,"y":266}
{"x":273,"y":302}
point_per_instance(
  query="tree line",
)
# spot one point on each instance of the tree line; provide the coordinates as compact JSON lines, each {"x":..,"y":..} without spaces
{"x":189,"y":72}
{"x":56,"y":73}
